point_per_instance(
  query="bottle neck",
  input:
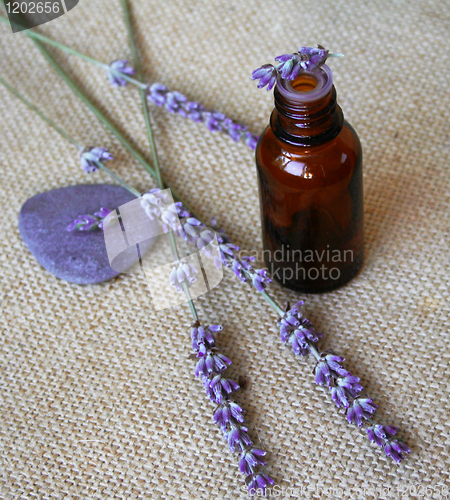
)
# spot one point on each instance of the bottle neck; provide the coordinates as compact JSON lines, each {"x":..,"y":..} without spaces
{"x":306,"y":111}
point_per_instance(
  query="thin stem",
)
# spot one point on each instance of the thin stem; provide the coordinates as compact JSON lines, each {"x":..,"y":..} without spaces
{"x":313,"y":350}
{"x":103,"y":167}
{"x":106,"y":121}
{"x":151,"y":138}
{"x":272,"y":303}
{"x":92,"y":107}
{"x":39,"y":112}
{"x":137,"y":67}
{"x":65,"y":48}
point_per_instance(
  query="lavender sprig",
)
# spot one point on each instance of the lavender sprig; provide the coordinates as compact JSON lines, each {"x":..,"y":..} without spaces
{"x":196,"y":233}
{"x":344,"y":387}
{"x":210,"y":368}
{"x":89,"y":222}
{"x":290,"y":66}
{"x":116,"y":70}
{"x":89,"y":158}
{"x":177,"y":103}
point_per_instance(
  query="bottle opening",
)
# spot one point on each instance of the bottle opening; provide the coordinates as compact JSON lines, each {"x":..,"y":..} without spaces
{"x":308,"y":86}
{"x":304,"y":83}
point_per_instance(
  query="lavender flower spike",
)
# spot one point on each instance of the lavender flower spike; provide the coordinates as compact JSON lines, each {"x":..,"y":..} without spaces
{"x":122,"y":66}
{"x":258,"y":483}
{"x":228,"y":415}
{"x":89,"y":222}
{"x":291,"y":65}
{"x":177,"y":103}
{"x":90,"y":156}
{"x":267,"y":75}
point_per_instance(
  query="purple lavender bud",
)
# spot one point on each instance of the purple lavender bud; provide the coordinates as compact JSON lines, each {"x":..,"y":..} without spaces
{"x":83,"y":223}
{"x":260,"y":279}
{"x":380,"y":433}
{"x":214,"y":121}
{"x":351,"y":385}
{"x":218,"y":388}
{"x":299,"y":345}
{"x":157,"y":94}
{"x":103,"y":213}
{"x":194,"y":111}
{"x":122,"y":66}
{"x":267,"y":75}
{"x":361,"y":408}
{"x":333,"y":362}
{"x":236,"y":411}
{"x":313,"y":57}
{"x":237,"y":438}
{"x":251,"y":140}
{"x":395,"y":450}
{"x":89,"y":157}
{"x":322,"y":373}
{"x":306,"y":327}
{"x":290,"y":66}
{"x":222,"y":416}
{"x":250,"y":459}
{"x":339,"y":396}
{"x":259,"y":482}
{"x":174,"y":101}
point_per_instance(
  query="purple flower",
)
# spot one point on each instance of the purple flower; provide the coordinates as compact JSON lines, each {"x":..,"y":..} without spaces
{"x":313,"y":57}
{"x":345,"y":388}
{"x":226,"y":412}
{"x":251,"y":140}
{"x":182,"y":273}
{"x":395,"y":450}
{"x":379,"y":434}
{"x":328,"y":368}
{"x":362,"y":408}
{"x":83,"y":223}
{"x":178,"y":103}
{"x":260,"y":278}
{"x":250,"y":459}
{"x":122,"y":66}
{"x":290,"y":66}
{"x":219,"y":388}
{"x":194,"y":111}
{"x":174,"y":103}
{"x":91,"y":156}
{"x":157,"y":94}
{"x":89,"y":222}
{"x":259,"y":482}
{"x":211,"y":363}
{"x":237,"y":438}
{"x":234,"y":129}
{"x":203,"y":337}
{"x":267,"y":75}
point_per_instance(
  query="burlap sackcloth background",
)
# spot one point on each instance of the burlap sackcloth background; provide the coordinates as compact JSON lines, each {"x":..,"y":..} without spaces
{"x":98,"y":397}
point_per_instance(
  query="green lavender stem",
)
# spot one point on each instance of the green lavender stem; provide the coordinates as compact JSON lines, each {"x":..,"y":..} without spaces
{"x":66,"y":136}
{"x":65,"y":48}
{"x":157,"y":168}
{"x":36,"y":110}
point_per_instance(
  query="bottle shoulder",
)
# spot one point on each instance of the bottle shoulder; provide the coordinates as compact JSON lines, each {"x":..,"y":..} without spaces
{"x":309,"y":165}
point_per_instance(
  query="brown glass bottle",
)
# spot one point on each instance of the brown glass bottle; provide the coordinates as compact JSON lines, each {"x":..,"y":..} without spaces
{"x":309,"y":163}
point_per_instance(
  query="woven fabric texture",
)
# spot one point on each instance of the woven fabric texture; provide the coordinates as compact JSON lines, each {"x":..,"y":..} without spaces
{"x":98,"y":395}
